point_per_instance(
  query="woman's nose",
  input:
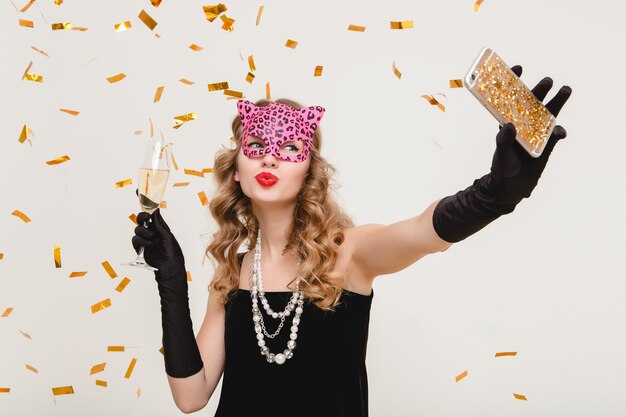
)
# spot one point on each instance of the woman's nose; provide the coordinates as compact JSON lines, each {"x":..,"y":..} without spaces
{"x":269,"y":160}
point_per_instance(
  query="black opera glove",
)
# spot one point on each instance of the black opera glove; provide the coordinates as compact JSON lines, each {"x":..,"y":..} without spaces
{"x":514,"y":174}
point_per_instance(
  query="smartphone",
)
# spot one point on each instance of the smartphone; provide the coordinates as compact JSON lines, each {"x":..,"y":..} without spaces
{"x":508,"y":99}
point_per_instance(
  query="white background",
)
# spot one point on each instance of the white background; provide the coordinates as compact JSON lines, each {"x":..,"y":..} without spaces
{"x":546,"y":281}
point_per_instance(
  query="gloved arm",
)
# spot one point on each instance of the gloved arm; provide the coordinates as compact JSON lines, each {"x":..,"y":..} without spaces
{"x":182,"y":356}
{"x":514,"y":174}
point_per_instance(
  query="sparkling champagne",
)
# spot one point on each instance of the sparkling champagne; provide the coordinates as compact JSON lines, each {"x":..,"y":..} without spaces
{"x":152,"y":184}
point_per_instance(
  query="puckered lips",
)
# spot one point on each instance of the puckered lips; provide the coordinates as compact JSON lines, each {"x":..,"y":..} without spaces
{"x":266,"y":179}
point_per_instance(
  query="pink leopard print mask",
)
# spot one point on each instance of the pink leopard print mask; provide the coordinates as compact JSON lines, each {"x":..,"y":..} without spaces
{"x":278,"y":124}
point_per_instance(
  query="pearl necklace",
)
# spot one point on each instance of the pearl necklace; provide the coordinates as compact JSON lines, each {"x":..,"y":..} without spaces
{"x":256,"y":287}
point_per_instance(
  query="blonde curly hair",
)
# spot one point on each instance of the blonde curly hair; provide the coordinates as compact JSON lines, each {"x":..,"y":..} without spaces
{"x":316,"y":234}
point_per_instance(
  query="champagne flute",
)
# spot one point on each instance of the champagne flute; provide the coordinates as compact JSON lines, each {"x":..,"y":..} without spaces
{"x":153,"y":175}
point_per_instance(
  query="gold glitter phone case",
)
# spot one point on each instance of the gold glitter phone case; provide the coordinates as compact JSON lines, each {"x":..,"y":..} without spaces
{"x":509,"y":100}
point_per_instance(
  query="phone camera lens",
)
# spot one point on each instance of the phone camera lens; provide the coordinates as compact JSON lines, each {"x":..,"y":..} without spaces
{"x":473,"y":77}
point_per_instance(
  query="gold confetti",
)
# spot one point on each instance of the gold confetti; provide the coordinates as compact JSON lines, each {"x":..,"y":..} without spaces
{"x":405,"y":24}
{"x":151,"y":127}
{"x":139,"y":393}
{"x":161,"y":350}
{"x":233,"y":93}
{"x":115,"y":348}
{"x":250,"y":77}
{"x":192,"y":172}
{"x":258,"y":16}
{"x":456,"y":83}
{"x":188,"y":276}
{"x":27,"y":23}
{"x":211,"y":12}
{"x":123,"y":183}
{"x":32,"y":369}
{"x":30,"y":3}
{"x":57,"y":256}
{"x":59,"y":160}
{"x":147,"y":20}
{"x":318,"y":71}
{"x":205,"y":170}
{"x":24,"y":135}
{"x":1,"y":255}
{"x":356,"y":28}
{"x":40,"y":51}
{"x":21,"y":215}
{"x":433,"y":102}
{"x":138,"y":132}
{"x":72,"y":112}
{"x":122,"y":26}
{"x":101,"y":383}
{"x":122,"y":285}
{"x":33,"y":77}
{"x":228,"y":23}
{"x":251,"y":63}
{"x":267,"y":91}
{"x":116,"y":78}
{"x":180,"y":120}
{"x":131,"y":366}
{"x":171,"y":153}
{"x":195,"y":47}
{"x":62,"y":26}
{"x":101,"y":305}
{"x":519,"y":397}
{"x":79,"y":28}
{"x":218,"y":86}
{"x":63,"y":390}
{"x":180,"y":184}
{"x":107,"y":267}
{"x":506,"y":354}
{"x":26,"y":335}
{"x":461,"y":376}
{"x":163,"y":204}
{"x":78,"y":274}
{"x":133,"y":218}
{"x":4,"y":389}
{"x":395,"y":70}
{"x":58,"y":2}
{"x":291,"y":44}
{"x":98,"y":368}
{"x":156,"y":3}
{"x":7,"y":312}
{"x":30,"y":64}
{"x":186,"y":81}
{"x":158,"y":94}
{"x":203,"y":198}
{"x":477,"y":5}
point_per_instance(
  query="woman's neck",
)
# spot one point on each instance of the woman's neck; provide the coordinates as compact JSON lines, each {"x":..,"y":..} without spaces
{"x":275,"y":222}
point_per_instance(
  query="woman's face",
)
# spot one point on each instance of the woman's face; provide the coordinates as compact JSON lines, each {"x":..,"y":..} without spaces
{"x":268,"y":179}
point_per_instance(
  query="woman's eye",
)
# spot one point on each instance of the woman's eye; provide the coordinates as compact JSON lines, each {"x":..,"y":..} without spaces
{"x":291,"y":148}
{"x":252,"y":144}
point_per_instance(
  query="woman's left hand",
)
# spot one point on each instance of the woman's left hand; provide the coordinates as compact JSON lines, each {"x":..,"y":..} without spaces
{"x":512,"y":166}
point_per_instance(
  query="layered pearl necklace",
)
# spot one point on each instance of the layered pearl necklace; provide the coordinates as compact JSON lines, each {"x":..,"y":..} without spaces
{"x":256,"y":287}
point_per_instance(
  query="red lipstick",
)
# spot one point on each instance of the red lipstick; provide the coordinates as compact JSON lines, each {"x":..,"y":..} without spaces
{"x":266,"y":179}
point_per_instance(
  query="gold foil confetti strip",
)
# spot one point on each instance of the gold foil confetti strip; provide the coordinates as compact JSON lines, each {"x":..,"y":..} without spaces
{"x":101,"y":383}
{"x":251,"y":63}
{"x":151,"y":127}
{"x":58,"y":160}
{"x":32,"y":369}
{"x":433,"y":102}
{"x":193,"y":172}
{"x":356,"y":28}
{"x":62,"y":26}
{"x":106,"y":303}
{"x":163,"y":204}
{"x":203,"y":198}
{"x":131,"y":366}
{"x":180,"y":184}
{"x":97,"y":368}
{"x":519,"y":397}
{"x":456,"y":83}
{"x":107,"y":267}
{"x":1,"y":255}
{"x":395,"y":70}
{"x":27,"y":23}
{"x":227,"y":23}
{"x":116,"y":78}
{"x":30,"y":3}
{"x":156,"y":3}
{"x":34,"y":77}
{"x":24,"y":134}
{"x":267,"y":91}
{"x":158,"y":94}
{"x":318,"y":71}
{"x":72,"y":112}
{"x":58,"y":2}
{"x":218,"y":86}
{"x":7,"y":312}
{"x":498,"y":354}
{"x":147,"y":20}
{"x":26,"y":335}
{"x":233,"y":93}
{"x":461,"y":376}
{"x":250,"y":77}
{"x":30,"y":64}
{"x":115,"y":348}
{"x":122,"y":285}
{"x":5,"y":389}
{"x":171,"y":153}
{"x":207,"y":170}
{"x":77,"y":274}
{"x":63,"y":390}
{"x":211,"y":12}
{"x":195,"y":47}
{"x":123,"y":183}
{"x":291,"y":44}
{"x":139,"y":393}
{"x":477,"y":5}
{"x":21,"y":215}
{"x":180,"y":120}
{"x":162,"y":350}
{"x":57,"y":256}
{"x":40,"y":51}
{"x":405,"y":24}
{"x":82,"y":29}
{"x":138,"y":132}
{"x":122,"y":26}
{"x":188,"y":276}
{"x":186,"y":81}
{"x":133,"y":218}
{"x":156,"y":35}
{"x":258,"y":15}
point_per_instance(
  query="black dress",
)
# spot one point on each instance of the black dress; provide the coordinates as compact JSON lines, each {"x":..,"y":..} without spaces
{"x":326,"y":375}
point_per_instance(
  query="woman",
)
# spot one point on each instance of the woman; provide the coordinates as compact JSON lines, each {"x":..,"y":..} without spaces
{"x":309,"y":267}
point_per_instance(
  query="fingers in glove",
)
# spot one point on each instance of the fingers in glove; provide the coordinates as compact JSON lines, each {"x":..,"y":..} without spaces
{"x":517,"y":70}
{"x":142,"y":218}
{"x":541,"y":89}
{"x":145,"y":233}
{"x":556,"y":104}
{"x":138,"y":242}
{"x":557,"y":134}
